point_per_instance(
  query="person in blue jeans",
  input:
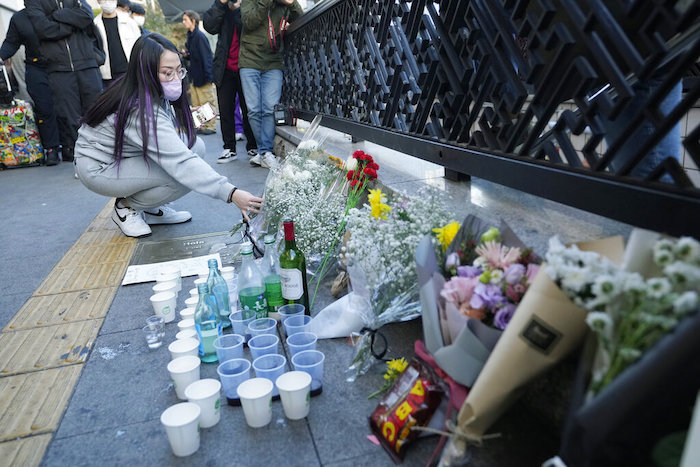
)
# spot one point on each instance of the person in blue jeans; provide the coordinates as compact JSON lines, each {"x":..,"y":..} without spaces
{"x":261,"y":62}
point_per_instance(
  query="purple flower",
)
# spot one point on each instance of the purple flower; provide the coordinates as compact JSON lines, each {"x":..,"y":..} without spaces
{"x":452,"y":261}
{"x":503,"y":316}
{"x":514,"y":273}
{"x":468,"y":271}
{"x":487,"y":295}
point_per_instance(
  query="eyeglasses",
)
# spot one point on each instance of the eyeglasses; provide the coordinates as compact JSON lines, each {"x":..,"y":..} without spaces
{"x":170,"y":75}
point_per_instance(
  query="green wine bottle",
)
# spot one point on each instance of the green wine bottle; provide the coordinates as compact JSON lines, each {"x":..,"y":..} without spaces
{"x":293,"y":270}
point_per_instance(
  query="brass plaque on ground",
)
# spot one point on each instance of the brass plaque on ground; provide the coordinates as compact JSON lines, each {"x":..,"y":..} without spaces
{"x":189,"y":247}
{"x":63,"y":308}
{"x":33,"y":403}
{"x":78,"y":278}
{"x":25,"y":452}
{"x":46,"y":347}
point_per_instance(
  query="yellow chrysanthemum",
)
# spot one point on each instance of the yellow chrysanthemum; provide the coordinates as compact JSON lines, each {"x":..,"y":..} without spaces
{"x":397,"y":365}
{"x":337,"y":161}
{"x":446,"y":234}
{"x":376,"y":202}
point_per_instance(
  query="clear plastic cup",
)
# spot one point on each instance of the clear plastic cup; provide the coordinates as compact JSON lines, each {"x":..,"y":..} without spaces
{"x":264,"y":344}
{"x":229,"y":346}
{"x":270,"y":367}
{"x":296,"y":324}
{"x":262,"y":326}
{"x":240,"y":324}
{"x":154,"y":338}
{"x":301,"y":341}
{"x":289,"y":310}
{"x":231,"y":374}
{"x":158,"y":323}
{"x":311,"y":361}
{"x":181,"y":422}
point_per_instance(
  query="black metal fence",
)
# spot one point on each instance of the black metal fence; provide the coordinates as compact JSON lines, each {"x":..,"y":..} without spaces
{"x":502,"y":89}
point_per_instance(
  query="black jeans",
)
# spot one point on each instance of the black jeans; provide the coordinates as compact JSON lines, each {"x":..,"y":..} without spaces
{"x":73,"y":93}
{"x":38,"y":88}
{"x":226,"y":93}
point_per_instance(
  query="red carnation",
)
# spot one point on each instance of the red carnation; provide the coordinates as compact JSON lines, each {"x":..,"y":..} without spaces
{"x":373,"y":165}
{"x":358,"y":154}
{"x":350,"y":175}
{"x":353,"y":183}
{"x":370,"y":172}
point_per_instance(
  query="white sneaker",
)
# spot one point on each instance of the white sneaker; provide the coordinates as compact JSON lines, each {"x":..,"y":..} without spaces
{"x":227,"y":156}
{"x":166,"y":215}
{"x":130,"y":221}
{"x":252,"y":152}
{"x":255,"y":160}
{"x":239,"y":136}
{"x":269,"y":161}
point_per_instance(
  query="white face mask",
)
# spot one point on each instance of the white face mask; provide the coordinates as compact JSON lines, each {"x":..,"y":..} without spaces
{"x":108,"y":7}
{"x":139,"y":19}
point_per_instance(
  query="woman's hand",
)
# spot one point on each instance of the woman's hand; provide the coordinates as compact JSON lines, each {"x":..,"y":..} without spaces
{"x":247,"y":203}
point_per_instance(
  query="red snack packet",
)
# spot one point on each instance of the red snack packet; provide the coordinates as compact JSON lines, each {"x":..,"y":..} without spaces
{"x":411,"y":401}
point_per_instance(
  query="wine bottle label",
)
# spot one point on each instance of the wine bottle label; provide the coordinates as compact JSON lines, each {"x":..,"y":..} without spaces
{"x":292,"y":284}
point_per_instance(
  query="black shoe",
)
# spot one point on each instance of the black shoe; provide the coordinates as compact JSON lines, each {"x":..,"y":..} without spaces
{"x":205,"y":132}
{"x":67,"y":154}
{"x":52,"y":156}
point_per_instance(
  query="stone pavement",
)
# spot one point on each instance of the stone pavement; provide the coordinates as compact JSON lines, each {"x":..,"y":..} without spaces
{"x":79,"y":386}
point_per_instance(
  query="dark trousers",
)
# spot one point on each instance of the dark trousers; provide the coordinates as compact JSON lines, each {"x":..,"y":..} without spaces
{"x":73,"y":93}
{"x":38,"y":88}
{"x":230,"y":87}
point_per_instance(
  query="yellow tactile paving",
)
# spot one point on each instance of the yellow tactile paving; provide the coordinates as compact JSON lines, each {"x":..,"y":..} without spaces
{"x":82,"y":277}
{"x":63,"y":308}
{"x":33,"y":403}
{"x":25,"y":452}
{"x":46,"y":347}
{"x":97,"y":254}
{"x":43,"y":347}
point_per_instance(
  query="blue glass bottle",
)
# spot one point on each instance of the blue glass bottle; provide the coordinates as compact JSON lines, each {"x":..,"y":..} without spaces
{"x":207,"y":324}
{"x":219,"y":289}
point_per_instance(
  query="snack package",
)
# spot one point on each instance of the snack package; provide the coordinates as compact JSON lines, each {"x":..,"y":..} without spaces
{"x":411,"y":401}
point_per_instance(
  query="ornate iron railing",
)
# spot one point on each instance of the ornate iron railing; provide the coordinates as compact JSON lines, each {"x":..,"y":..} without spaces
{"x":499,"y":90}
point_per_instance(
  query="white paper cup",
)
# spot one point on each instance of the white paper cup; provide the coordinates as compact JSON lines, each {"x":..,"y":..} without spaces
{"x":172,"y":275}
{"x":168,"y":286}
{"x":194,"y":293}
{"x":187,"y":334}
{"x":185,"y":324}
{"x":191,"y":302}
{"x":201,"y":280}
{"x":205,"y":393}
{"x":164,"y":305}
{"x":187,"y":313}
{"x":256,"y":399}
{"x":228,"y":272}
{"x":183,"y":348}
{"x":184,"y":371}
{"x":181,"y":425}
{"x":295,"y":392}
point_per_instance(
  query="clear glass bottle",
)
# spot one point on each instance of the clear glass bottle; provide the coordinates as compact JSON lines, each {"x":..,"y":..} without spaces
{"x":251,"y":288}
{"x":270,"y":269}
{"x":293,"y":270}
{"x":219,"y":289}
{"x":207,"y":324}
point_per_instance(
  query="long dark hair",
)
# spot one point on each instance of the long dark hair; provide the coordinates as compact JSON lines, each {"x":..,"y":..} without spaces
{"x":140,"y":90}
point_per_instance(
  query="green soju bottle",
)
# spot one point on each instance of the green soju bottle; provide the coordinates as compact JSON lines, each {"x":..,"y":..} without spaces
{"x":293,"y":270}
{"x":270,"y":269}
{"x":251,"y":288}
{"x":206,"y":321}
{"x":219,"y":289}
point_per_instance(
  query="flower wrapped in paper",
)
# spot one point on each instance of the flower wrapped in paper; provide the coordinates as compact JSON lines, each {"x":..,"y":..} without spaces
{"x":470,"y":298}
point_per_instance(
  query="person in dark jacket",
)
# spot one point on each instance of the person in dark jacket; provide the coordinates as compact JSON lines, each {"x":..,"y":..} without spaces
{"x":66,"y":33}
{"x":198,"y":52}
{"x":224,"y":18}
{"x":21,"y":32}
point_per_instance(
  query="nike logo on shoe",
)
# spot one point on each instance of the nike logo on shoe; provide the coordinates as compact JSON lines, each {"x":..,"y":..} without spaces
{"x":160,"y":213}
{"x":121,"y":218}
